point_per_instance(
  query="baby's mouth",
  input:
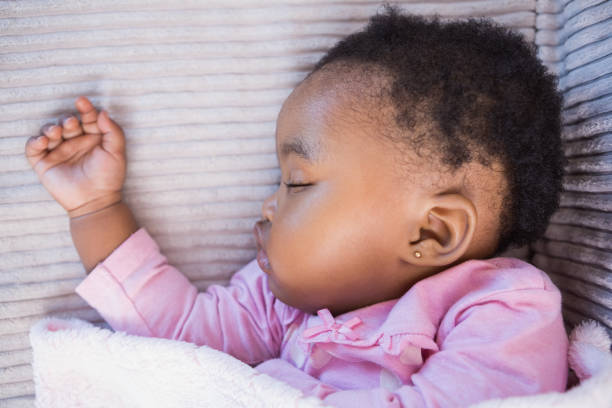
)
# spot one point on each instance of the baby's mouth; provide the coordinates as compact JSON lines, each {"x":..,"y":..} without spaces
{"x":259,"y":230}
{"x":264,"y":263}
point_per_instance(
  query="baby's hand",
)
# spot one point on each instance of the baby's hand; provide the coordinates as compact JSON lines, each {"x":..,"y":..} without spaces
{"x":82,"y":165}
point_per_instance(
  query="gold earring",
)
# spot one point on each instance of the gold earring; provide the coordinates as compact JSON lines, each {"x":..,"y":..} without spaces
{"x":417,"y":254}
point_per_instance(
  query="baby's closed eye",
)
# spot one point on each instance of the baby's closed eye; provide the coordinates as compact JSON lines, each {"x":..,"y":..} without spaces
{"x":294,"y":186}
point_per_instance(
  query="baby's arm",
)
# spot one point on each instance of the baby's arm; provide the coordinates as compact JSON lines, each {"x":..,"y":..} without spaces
{"x":138,"y":292}
{"x":82,"y":164}
{"x":97,"y":234}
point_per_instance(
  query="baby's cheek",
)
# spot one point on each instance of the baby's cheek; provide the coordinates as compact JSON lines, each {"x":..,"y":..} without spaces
{"x":305,"y":256}
{"x":291,"y":254}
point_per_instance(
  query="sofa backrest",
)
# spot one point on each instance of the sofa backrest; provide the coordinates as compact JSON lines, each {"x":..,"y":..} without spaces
{"x":574,"y":40}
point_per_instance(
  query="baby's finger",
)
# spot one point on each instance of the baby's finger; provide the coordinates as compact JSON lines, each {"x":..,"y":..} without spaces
{"x":89,"y":115}
{"x":36,"y":149}
{"x":54,"y":134}
{"x":71,"y":127}
{"x":113,"y":140}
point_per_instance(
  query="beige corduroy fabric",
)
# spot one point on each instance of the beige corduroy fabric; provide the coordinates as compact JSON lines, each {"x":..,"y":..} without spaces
{"x":197,"y":86}
{"x":574,"y":39}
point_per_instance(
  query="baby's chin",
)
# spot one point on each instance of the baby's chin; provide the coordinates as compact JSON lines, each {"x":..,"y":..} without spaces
{"x":291,"y":300}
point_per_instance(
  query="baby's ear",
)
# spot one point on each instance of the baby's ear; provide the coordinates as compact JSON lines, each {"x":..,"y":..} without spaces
{"x":446,"y":230}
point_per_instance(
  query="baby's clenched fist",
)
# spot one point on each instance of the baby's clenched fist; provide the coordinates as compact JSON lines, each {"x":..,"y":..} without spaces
{"x":81,"y":163}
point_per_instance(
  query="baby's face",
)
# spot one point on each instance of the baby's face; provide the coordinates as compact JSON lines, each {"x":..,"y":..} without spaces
{"x":334,"y":242}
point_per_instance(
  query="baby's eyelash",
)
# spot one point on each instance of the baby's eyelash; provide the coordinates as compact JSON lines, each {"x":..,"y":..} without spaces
{"x":289,"y":185}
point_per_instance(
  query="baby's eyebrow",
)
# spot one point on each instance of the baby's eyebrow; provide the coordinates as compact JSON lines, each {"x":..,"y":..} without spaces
{"x":300,"y":147}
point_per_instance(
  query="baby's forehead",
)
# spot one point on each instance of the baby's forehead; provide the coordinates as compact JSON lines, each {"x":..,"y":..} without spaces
{"x":340,"y":96}
{"x":332,"y":116}
{"x":329,"y":121}
{"x":360,"y":84}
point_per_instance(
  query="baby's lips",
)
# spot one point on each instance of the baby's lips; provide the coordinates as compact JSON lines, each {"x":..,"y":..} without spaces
{"x":260,"y":231}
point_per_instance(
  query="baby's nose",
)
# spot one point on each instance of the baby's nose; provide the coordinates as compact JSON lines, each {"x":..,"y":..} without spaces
{"x":269,"y":207}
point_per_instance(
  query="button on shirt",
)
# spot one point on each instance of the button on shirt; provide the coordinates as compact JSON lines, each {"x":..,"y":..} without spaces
{"x":479,"y":330}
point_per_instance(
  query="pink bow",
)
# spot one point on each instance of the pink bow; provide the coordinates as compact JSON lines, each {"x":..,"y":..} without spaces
{"x":329,"y":324}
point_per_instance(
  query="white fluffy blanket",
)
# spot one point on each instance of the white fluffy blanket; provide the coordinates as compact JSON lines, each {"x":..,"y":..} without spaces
{"x":77,"y":364}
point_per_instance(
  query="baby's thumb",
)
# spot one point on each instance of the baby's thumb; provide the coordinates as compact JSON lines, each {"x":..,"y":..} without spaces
{"x":113,"y":140}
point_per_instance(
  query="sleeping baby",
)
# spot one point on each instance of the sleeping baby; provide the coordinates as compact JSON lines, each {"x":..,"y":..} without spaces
{"x":413,"y":154}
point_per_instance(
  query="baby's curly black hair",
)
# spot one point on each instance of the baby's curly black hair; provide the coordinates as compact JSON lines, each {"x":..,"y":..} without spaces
{"x":488,"y":96}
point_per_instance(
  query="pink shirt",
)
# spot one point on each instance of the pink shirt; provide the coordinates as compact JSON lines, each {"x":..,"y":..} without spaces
{"x":479,"y":330}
